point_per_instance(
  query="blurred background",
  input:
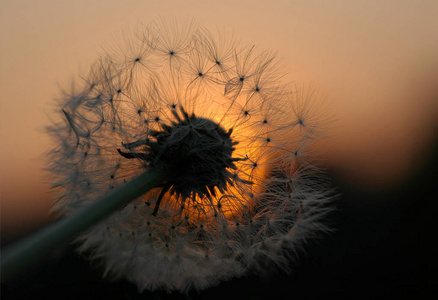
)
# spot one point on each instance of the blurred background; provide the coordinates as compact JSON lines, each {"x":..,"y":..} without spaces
{"x":376,"y":66}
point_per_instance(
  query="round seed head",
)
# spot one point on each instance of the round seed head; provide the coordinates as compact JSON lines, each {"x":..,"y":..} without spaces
{"x":215,"y":115}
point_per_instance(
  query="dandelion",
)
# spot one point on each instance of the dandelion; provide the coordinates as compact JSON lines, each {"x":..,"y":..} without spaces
{"x":214,"y":116}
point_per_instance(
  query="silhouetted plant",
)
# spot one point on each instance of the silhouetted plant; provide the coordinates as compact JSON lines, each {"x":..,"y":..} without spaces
{"x":212,"y":114}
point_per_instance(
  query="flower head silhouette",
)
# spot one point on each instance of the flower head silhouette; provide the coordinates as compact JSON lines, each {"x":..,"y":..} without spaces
{"x":213,"y":114}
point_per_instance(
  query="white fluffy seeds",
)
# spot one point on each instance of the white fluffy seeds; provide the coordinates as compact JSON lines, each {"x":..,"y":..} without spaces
{"x":254,"y":202}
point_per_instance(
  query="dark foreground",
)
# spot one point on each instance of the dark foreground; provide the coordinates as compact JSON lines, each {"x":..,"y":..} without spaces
{"x":384,"y":248}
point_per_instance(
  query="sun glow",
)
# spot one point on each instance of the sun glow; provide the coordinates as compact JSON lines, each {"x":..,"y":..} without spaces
{"x":158,"y":100}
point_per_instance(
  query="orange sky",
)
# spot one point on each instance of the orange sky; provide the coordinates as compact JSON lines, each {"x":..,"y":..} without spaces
{"x":374,"y":60}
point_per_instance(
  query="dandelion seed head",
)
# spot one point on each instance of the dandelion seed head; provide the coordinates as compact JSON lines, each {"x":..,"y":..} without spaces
{"x":215,"y":115}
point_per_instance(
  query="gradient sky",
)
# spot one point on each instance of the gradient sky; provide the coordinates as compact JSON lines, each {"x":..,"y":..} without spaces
{"x":374,"y":61}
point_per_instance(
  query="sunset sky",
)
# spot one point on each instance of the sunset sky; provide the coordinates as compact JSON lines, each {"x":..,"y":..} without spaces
{"x":374,"y":62}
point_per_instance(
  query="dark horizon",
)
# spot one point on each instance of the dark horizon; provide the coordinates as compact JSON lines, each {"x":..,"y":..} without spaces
{"x":382,"y":248}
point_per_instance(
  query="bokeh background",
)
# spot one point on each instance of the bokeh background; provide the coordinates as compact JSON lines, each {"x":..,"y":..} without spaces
{"x":376,"y":66}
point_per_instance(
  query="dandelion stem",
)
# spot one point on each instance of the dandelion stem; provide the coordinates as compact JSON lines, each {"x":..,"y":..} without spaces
{"x":15,"y":259}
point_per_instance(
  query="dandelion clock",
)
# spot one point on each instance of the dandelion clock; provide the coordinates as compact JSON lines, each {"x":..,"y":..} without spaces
{"x":236,"y":193}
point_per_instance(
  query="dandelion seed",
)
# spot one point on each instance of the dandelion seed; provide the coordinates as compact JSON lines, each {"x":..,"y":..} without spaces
{"x":215,"y":116}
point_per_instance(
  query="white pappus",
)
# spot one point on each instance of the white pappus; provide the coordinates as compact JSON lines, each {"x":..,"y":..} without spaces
{"x":214,"y":114}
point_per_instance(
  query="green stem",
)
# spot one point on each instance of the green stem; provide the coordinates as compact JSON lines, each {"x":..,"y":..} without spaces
{"x":16,"y":258}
